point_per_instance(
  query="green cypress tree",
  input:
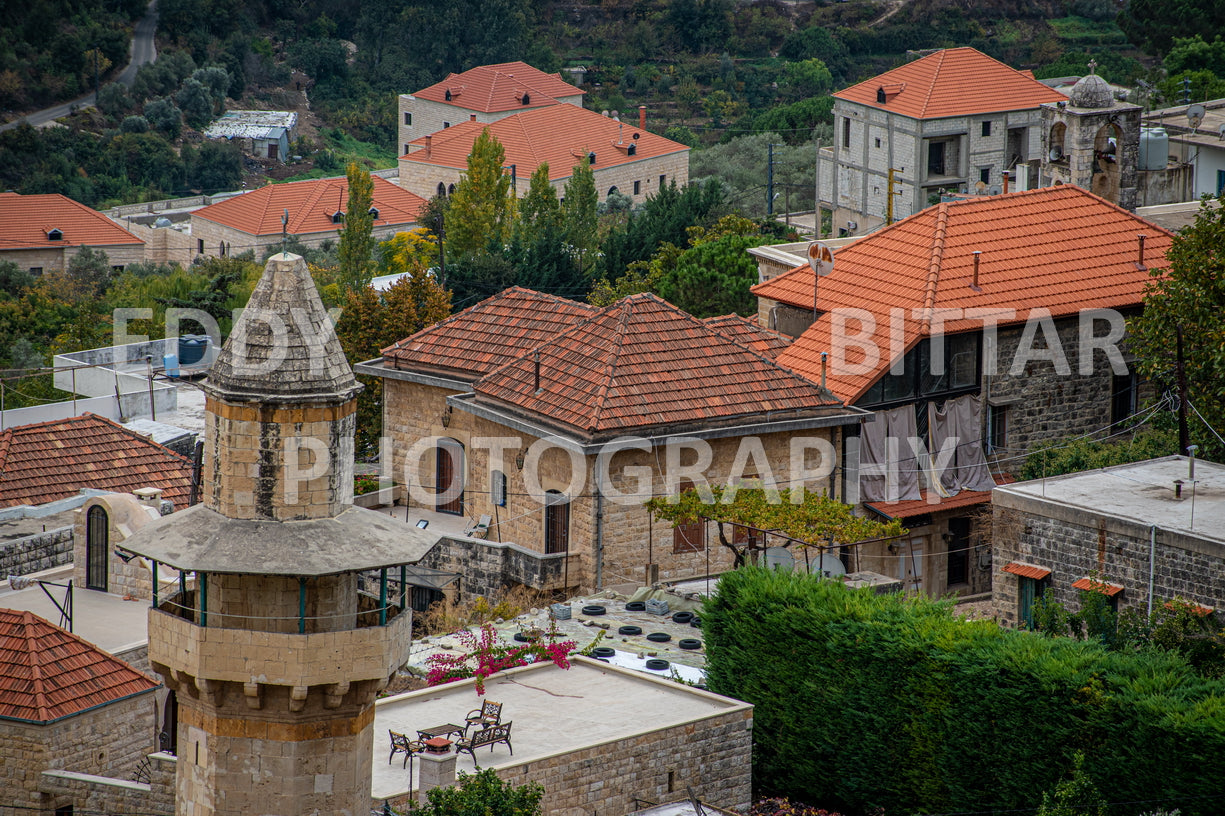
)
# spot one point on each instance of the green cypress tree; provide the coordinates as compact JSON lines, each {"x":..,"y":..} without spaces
{"x":482,"y":210}
{"x":356,"y":237}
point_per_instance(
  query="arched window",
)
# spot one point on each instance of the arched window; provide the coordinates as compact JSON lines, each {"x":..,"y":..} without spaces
{"x":97,"y":548}
{"x":613,"y":189}
{"x":449,"y":477}
{"x":556,"y":522}
{"x":442,"y":190}
{"x":451,"y":190}
{"x":1055,"y":148}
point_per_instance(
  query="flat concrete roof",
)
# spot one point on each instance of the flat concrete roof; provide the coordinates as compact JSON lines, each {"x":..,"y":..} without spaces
{"x":1141,"y":492}
{"x":554,"y":711}
{"x":107,"y":621}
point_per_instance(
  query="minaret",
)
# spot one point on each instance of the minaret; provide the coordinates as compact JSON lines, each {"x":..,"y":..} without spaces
{"x":294,"y":614}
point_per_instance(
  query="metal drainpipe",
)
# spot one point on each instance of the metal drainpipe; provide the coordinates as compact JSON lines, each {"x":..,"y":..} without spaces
{"x":1152,"y":558}
{"x":599,"y":538}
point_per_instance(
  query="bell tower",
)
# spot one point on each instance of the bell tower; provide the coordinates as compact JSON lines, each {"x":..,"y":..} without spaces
{"x":290,"y":612}
{"x":1093,"y":141}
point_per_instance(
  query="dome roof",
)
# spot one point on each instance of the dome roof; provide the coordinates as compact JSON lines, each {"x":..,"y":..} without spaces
{"x":1091,"y":91}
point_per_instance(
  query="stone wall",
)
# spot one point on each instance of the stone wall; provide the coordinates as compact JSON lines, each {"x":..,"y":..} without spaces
{"x":420,"y":176}
{"x":35,"y":553}
{"x":1074,"y":544}
{"x":162,"y":244}
{"x":106,"y":741}
{"x":485,"y":568}
{"x":125,"y":515}
{"x":99,"y":794}
{"x":632,"y":545}
{"x":55,"y":259}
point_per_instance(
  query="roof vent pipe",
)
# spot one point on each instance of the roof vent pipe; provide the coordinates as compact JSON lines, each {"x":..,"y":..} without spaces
{"x":1006,"y":178}
{"x":1191,"y":451}
{"x":1178,"y":488}
{"x":620,"y":132}
{"x":1140,"y":237}
{"x":977,"y":257}
{"x":824,"y":363}
{"x":642,"y":117}
{"x":536,"y":366}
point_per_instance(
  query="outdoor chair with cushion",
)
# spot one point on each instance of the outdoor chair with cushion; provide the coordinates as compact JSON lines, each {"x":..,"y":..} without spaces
{"x":488,"y":714}
{"x":490,"y":735}
{"x":400,"y":743}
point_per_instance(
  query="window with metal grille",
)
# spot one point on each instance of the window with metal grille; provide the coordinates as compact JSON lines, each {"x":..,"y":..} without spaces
{"x":556,"y":522}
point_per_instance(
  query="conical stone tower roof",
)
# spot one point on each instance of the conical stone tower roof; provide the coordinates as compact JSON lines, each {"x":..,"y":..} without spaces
{"x":283,"y":348}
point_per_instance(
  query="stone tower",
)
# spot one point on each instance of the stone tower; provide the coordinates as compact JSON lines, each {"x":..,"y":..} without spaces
{"x":289,"y":614}
{"x":1092,"y":141}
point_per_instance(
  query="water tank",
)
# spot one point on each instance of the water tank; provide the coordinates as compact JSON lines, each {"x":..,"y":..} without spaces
{"x":1154,"y":148}
{"x":170,"y":362}
{"x":192,"y":348}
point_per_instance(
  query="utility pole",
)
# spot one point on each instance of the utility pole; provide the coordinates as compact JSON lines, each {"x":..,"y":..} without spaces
{"x":816,"y":194}
{"x":770,"y":183}
{"x":1181,"y":372}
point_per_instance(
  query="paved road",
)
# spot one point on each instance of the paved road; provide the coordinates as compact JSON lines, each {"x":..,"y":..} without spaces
{"x":142,"y":51}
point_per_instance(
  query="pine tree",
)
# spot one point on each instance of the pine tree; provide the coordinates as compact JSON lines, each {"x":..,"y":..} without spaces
{"x":580,"y":225}
{"x":482,"y":210}
{"x":356,"y":239}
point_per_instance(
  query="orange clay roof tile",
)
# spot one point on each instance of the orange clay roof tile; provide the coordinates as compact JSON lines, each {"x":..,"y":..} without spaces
{"x":952,"y":82}
{"x":642,"y":363}
{"x":749,"y":333}
{"x":311,"y":205}
{"x":500,"y":87}
{"x":1026,"y":570}
{"x":47,"y":674}
{"x":26,"y":221}
{"x":927,"y":504}
{"x":1060,"y":249}
{"x":561,"y":135}
{"x":53,"y":460}
{"x":488,"y":335}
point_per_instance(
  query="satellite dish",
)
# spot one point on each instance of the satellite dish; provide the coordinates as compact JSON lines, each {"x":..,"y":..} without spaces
{"x":779,"y":558}
{"x":1195,"y":115}
{"x":994,"y":189}
{"x":1056,"y":153}
{"x":828,"y":566}
{"x":821,"y":258}
{"x":1221,"y":133}
{"x":980,"y":187}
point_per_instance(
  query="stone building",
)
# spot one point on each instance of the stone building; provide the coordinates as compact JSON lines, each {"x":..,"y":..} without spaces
{"x":67,"y":709}
{"x":623,"y":158}
{"x":260,"y":133}
{"x":953,"y":121}
{"x":1142,"y":533}
{"x":253,"y":221}
{"x":291,"y":613}
{"x":515,"y":408}
{"x":488,"y":92}
{"x":1194,"y":142}
{"x":962,"y":326}
{"x":41,"y":233}
{"x":1092,"y":140}
{"x":652,"y":740}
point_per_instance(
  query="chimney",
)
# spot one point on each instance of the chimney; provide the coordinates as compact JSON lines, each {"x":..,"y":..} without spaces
{"x":149,"y":497}
{"x":824,"y":361}
{"x":536,"y":360}
{"x":1140,"y":261}
{"x":472,"y":117}
{"x":1006,"y":176}
{"x":977,"y":257}
{"x":428,"y":145}
{"x":642,"y":117}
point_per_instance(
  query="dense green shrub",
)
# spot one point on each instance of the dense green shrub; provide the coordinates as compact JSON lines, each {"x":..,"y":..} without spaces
{"x":866,"y":701}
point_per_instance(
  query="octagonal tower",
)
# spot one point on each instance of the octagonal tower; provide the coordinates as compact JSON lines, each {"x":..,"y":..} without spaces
{"x":290,"y":611}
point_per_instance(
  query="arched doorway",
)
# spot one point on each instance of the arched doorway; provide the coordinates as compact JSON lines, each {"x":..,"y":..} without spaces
{"x":97,"y":548}
{"x":449,"y":477}
{"x":556,"y":522}
{"x":1107,"y":144}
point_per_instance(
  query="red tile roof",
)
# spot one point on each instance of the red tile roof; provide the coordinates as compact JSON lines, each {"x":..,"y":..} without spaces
{"x":53,"y":460}
{"x":750,"y":333}
{"x":560,"y":135}
{"x":26,"y":220}
{"x":922,"y":505}
{"x":952,"y":82}
{"x":47,"y":674}
{"x":486,"y":336}
{"x":1092,"y":585}
{"x":489,"y":88}
{"x":641,"y":364}
{"x":1026,"y":570}
{"x":1057,"y":248}
{"x":311,"y":205}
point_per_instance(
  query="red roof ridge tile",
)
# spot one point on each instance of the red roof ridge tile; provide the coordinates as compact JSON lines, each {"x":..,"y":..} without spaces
{"x":610,"y":370}
{"x":933,"y":268}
